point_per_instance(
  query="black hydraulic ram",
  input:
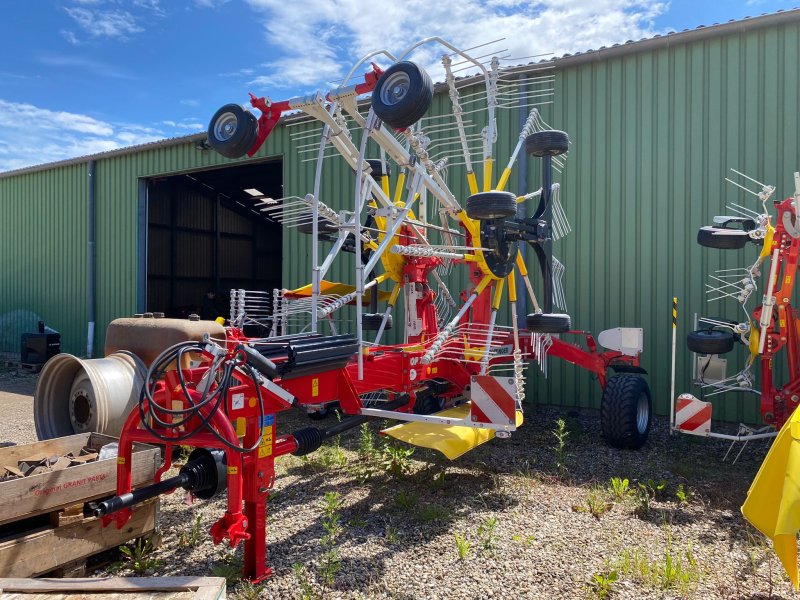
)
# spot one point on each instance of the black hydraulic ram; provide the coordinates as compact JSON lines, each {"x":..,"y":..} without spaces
{"x":204,"y":474}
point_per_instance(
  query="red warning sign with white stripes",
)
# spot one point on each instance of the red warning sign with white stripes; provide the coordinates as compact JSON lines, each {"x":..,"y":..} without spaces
{"x":692,"y":415}
{"x":494,"y":400}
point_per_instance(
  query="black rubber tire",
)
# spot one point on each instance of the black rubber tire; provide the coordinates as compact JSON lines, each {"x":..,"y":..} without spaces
{"x":408,"y":101}
{"x":710,"y":341}
{"x":548,"y":323}
{"x":491,"y":205}
{"x":377,"y":168}
{"x":428,"y":404}
{"x":547,"y":143}
{"x":323,"y":227}
{"x":620,"y":418}
{"x":706,"y":237}
{"x":372,"y":322}
{"x":232,"y":131}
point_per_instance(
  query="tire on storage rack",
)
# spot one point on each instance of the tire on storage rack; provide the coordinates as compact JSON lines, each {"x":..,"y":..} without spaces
{"x":710,"y":341}
{"x":232,"y":131}
{"x":706,"y":237}
{"x":491,"y":205}
{"x":372,"y":322}
{"x":626,"y":411}
{"x":547,"y":143}
{"x":402,"y":95}
{"x":548,"y":323}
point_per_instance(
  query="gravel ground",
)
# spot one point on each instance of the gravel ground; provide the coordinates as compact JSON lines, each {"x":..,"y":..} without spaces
{"x":534,"y":530}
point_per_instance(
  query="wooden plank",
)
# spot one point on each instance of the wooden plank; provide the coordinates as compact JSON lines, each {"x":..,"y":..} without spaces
{"x":204,"y":588}
{"x":37,"y":494}
{"x":42,"y":551}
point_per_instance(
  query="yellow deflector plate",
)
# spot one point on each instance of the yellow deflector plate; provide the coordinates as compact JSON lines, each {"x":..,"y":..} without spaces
{"x":450,"y":440}
{"x":334,"y":288}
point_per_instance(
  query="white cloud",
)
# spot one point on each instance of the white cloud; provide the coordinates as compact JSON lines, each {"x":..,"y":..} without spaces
{"x":31,"y":135}
{"x":318,"y":39}
{"x":104,"y":23}
{"x":70,"y":37}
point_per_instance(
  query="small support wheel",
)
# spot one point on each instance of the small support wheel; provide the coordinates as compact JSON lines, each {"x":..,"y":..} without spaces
{"x":372,"y":321}
{"x":402,"y":95}
{"x":710,"y":341}
{"x":546,"y":143}
{"x":232,"y":131}
{"x":626,"y":411}
{"x":378,"y":170}
{"x":734,"y":241}
{"x":491,"y":205}
{"x":548,"y":323}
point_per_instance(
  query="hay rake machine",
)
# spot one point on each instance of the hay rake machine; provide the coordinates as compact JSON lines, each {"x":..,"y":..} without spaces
{"x":768,"y":333}
{"x":457,"y":378}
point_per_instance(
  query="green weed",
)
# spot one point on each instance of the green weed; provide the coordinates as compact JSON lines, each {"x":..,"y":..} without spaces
{"x":462,"y":546}
{"x":405,"y":500}
{"x":602,"y":584}
{"x":619,"y":488}
{"x":396,"y":459}
{"x":487,"y":535}
{"x":139,"y":554}
{"x":683,"y":494}
{"x":230,"y":571}
{"x":391,"y":534}
{"x":560,"y":433}
{"x":191,"y":538}
{"x":433,"y":512}
{"x":306,"y":589}
{"x":525,"y":540}
{"x":331,"y":562}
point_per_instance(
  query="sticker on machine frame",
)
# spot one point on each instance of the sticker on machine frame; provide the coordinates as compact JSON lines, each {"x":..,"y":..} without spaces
{"x":237,"y":401}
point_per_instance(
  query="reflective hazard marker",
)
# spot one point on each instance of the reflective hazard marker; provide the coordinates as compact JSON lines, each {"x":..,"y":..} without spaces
{"x":693,"y":415}
{"x":494,"y":400}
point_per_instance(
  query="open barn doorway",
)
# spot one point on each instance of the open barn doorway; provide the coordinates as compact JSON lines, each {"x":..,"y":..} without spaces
{"x":206,"y":236}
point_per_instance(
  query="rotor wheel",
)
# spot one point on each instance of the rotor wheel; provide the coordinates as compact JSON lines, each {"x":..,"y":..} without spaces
{"x":402,"y":95}
{"x":232,"y":131}
{"x":372,"y":321}
{"x":491,"y":205}
{"x":548,"y":323}
{"x":710,"y":341}
{"x":727,"y":241}
{"x":546,"y":143}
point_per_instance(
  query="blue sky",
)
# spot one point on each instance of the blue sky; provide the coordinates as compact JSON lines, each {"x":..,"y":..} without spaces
{"x":84,"y":76}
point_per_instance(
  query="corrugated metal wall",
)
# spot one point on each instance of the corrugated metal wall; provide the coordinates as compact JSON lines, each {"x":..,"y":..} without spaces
{"x":43,"y":250}
{"x":653,"y":133}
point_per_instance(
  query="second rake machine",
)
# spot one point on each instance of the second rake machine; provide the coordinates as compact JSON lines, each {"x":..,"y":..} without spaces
{"x":457,"y":377}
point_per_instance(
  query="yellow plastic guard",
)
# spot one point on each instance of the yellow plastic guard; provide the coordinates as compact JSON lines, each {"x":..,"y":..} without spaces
{"x":773,"y":501}
{"x":332,"y":287}
{"x":450,"y":440}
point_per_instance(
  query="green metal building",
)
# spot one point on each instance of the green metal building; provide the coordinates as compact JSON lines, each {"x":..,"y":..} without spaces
{"x":655,"y":125}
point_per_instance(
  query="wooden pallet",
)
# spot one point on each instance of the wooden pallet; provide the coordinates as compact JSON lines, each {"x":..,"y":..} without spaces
{"x":115,"y":588}
{"x":47,"y":492}
{"x":67,"y":540}
{"x":44,"y":523}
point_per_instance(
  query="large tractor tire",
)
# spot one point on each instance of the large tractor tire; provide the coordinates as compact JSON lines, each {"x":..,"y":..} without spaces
{"x":626,"y":411}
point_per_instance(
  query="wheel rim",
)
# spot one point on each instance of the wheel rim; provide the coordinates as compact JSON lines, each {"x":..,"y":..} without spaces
{"x":395,"y":89}
{"x":225,"y":126}
{"x":642,"y":414}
